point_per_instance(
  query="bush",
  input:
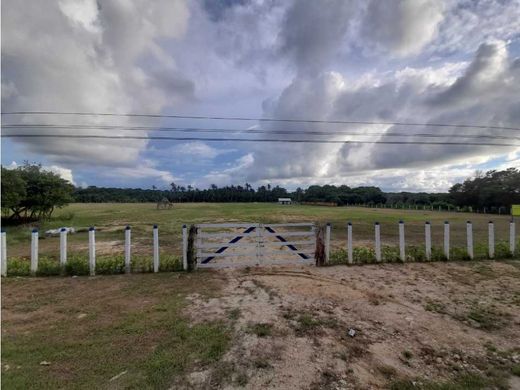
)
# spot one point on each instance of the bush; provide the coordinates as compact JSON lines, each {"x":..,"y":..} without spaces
{"x":109,"y":265}
{"x":459,"y":254}
{"x":77,"y":265}
{"x":18,"y":267}
{"x":390,"y":254}
{"x":141,"y":264}
{"x":502,"y":250}
{"x":363,"y":255}
{"x":415,"y":253}
{"x":48,"y":267}
{"x":170,"y":264}
{"x":339,"y":256}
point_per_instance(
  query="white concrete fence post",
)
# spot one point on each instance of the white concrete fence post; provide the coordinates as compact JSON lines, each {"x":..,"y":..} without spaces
{"x":402,"y":253}
{"x":63,"y":246}
{"x":128,"y":243}
{"x":469,"y":234}
{"x":512,"y":237}
{"x":350,"y":256}
{"x":327,"y":243}
{"x":491,"y":240}
{"x":4,"y":254}
{"x":378,"y":241}
{"x":428,"y":240}
{"x":34,"y":251}
{"x":155,"y":248}
{"x":92,"y":250}
{"x":447,"y":240}
{"x":184,"y":247}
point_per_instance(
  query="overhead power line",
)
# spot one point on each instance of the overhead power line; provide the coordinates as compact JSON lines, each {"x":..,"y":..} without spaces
{"x":90,"y":136}
{"x":292,"y":120}
{"x":251,"y":131}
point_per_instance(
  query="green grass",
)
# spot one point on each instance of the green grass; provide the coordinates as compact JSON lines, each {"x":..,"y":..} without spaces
{"x":130,"y":324}
{"x":461,"y":382}
{"x":110,"y":220}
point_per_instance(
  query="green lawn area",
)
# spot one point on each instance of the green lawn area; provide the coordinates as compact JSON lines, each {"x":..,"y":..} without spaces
{"x":110,"y":220}
{"x":81,"y":333}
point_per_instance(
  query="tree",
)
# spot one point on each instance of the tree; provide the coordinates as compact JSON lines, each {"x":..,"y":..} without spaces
{"x":43,"y":191}
{"x":13,"y":191}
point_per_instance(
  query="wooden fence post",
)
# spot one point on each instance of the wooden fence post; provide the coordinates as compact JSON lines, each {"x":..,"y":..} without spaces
{"x":428,"y":240}
{"x":402,"y":253}
{"x":512,"y":237}
{"x":378,"y":241}
{"x":447,"y":240}
{"x":63,"y":246}
{"x":349,"y":243}
{"x":327,"y":243}
{"x":469,"y":233}
{"x":92,"y":250}
{"x":34,"y":251}
{"x":4,"y":254}
{"x":128,"y":245}
{"x":491,"y":240}
{"x":155,"y":248}
{"x":184,"y":247}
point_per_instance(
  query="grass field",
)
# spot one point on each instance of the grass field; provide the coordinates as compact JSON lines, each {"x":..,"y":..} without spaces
{"x":111,"y":219}
{"x":418,"y":326}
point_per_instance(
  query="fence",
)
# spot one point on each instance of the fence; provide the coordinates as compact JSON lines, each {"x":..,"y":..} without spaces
{"x":251,"y":244}
{"x":262,"y":238}
{"x":34,"y":258}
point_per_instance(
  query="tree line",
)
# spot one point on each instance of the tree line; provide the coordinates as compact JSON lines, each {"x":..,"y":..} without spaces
{"x":30,"y":192}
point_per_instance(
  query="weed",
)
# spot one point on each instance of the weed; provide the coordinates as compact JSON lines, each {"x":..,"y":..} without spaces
{"x":77,"y":265}
{"x":407,"y":354}
{"x":515,"y":370}
{"x":48,"y":267}
{"x":486,"y":317}
{"x":18,"y":267}
{"x":261,"y":329}
{"x":434,"y":306}
{"x":109,"y":265}
{"x":234,"y":314}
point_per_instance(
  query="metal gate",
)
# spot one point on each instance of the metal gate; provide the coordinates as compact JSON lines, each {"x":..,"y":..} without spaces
{"x":250,"y":244}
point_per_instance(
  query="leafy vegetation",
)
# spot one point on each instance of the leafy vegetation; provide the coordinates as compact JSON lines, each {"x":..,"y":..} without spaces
{"x":29,"y":192}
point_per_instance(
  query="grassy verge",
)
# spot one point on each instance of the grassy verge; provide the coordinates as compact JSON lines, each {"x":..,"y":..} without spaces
{"x":110,"y":332}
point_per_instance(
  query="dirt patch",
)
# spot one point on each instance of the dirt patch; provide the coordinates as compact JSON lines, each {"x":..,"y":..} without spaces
{"x":367,"y":327}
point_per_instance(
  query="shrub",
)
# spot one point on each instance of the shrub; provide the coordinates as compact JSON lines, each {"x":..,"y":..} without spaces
{"x":415,"y":253}
{"x":339,"y":256}
{"x":141,"y":264}
{"x":502,"y":250}
{"x":77,"y":265}
{"x":48,"y":266}
{"x":459,"y":254}
{"x":363,"y":255}
{"x":109,"y":265}
{"x":18,"y":267}
{"x":390,"y":254}
{"x":170,"y":264}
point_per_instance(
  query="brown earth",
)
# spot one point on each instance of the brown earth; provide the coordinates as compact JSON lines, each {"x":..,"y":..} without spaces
{"x":424,"y":322}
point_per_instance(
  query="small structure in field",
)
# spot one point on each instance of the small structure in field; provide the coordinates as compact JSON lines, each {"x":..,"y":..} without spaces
{"x":284,"y":201}
{"x":164,"y":204}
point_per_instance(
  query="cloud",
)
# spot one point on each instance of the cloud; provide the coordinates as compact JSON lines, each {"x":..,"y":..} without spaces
{"x":402,"y":27}
{"x":87,"y":56}
{"x":312,"y":31}
{"x":412,"y":93}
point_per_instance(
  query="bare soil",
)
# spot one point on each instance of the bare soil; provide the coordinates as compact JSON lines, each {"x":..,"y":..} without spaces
{"x":420,"y":322}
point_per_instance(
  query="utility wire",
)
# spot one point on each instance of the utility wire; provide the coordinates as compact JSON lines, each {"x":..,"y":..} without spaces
{"x":250,"y":131}
{"x":251,"y":140}
{"x":294,"y":120}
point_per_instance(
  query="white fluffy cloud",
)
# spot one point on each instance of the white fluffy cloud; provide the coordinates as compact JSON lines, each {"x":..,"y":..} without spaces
{"x":87,"y":56}
{"x":447,"y":61}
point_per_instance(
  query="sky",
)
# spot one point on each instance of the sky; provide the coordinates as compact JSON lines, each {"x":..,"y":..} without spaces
{"x":418,"y":61}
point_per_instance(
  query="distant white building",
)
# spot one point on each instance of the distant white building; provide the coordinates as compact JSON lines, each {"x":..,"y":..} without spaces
{"x":284,"y":200}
